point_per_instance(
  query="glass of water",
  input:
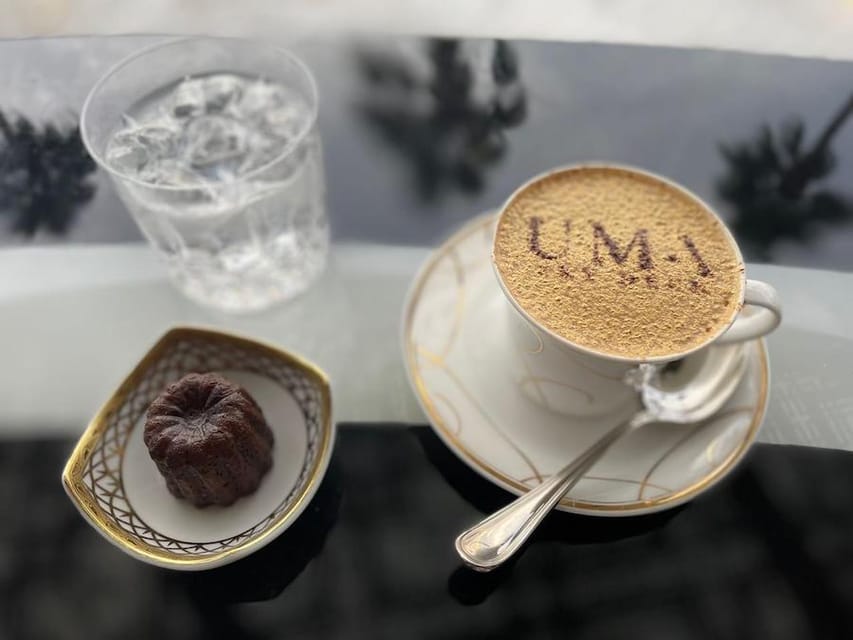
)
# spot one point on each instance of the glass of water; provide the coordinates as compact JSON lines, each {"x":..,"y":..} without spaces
{"x":212,"y":144}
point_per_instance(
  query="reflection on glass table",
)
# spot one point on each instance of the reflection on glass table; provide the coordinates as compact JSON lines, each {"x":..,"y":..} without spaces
{"x":420,"y":135}
{"x":768,"y":554}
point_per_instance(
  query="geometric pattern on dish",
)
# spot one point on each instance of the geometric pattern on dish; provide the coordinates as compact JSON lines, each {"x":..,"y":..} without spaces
{"x":93,"y":475}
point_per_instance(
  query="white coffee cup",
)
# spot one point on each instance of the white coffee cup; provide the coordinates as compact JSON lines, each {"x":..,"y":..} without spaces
{"x":575,"y":380}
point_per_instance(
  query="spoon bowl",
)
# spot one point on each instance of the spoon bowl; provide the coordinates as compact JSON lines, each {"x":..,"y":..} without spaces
{"x":681,"y":399}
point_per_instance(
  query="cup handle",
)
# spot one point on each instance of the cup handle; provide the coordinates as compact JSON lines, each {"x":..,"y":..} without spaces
{"x":759,"y":321}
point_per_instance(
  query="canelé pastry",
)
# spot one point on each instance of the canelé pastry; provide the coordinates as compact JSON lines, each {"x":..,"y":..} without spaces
{"x":209,"y":439}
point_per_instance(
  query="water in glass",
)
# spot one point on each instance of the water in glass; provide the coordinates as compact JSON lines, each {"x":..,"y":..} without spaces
{"x":224,"y":174}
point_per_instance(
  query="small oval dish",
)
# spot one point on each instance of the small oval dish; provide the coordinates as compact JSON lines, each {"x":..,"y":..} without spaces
{"x":112,"y":480}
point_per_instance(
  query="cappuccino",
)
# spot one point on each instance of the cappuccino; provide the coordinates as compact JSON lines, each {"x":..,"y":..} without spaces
{"x":618,"y":262}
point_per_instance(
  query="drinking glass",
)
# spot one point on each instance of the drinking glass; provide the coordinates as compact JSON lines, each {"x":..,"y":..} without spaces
{"x":212,"y":145}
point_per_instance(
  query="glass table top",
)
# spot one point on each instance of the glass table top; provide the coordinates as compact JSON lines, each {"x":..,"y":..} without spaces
{"x":767,"y":554}
{"x":420,"y":135}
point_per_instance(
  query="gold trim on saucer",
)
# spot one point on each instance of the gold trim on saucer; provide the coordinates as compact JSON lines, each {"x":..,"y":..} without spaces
{"x":93,"y":475}
{"x":452,"y":436}
{"x":678,"y":443}
{"x":440,"y":364}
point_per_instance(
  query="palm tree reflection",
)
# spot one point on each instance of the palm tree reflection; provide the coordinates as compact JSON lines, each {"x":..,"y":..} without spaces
{"x":43,"y":176}
{"x":449,"y":135}
{"x":773,"y":185}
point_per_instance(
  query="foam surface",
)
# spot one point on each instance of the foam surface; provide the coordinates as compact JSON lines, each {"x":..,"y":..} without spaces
{"x":618,"y":262}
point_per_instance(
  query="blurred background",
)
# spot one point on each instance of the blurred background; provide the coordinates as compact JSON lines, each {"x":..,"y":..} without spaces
{"x":453,"y":125}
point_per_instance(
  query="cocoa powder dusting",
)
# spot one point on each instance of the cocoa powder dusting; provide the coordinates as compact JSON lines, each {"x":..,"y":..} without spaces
{"x":534,"y":239}
{"x":625,"y":232}
{"x":704,"y":269}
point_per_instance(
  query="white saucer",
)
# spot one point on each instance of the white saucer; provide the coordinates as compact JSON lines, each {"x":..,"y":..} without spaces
{"x":112,"y":480}
{"x":453,"y":324}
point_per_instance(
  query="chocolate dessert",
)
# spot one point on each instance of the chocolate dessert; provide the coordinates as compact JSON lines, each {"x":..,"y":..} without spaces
{"x":209,"y":439}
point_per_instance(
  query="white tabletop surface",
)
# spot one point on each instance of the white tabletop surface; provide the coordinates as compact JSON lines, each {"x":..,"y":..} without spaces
{"x":76,"y":319}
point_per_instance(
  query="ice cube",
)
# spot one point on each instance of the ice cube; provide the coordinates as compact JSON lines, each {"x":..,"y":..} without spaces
{"x":209,"y":129}
{"x":170,"y":172}
{"x":160,"y":140}
{"x":220,"y":91}
{"x":259,"y":96}
{"x":274,"y":109}
{"x":134,"y":148}
{"x":212,"y":140}
{"x":188,"y":99}
{"x":126,"y":157}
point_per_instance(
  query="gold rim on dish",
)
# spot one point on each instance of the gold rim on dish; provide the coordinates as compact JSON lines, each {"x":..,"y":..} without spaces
{"x":451,"y":437}
{"x":90,"y":444}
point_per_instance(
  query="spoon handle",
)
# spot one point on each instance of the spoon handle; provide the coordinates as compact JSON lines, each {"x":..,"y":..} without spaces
{"x":490,"y":543}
